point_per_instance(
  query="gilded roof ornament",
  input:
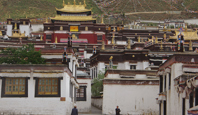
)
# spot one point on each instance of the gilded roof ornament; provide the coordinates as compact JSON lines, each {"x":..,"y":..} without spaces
{"x":41,"y":38}
{"x":139,"y":39}
{"x":190,"y":46}
{"x":102,"y":21}
{"x":103,"y":45}
{"x":129,"y":44}
{"x":156,"y":39}
{"x":84,"y":3}
{"x":63,"y":3}
{"x":74,"y":2}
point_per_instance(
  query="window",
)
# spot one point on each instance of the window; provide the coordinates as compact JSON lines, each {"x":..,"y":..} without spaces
{"x":196,"y":96}
{"x":165,"y":83}
{"x":81,"y":93}
{"x":161,"y":83}
{"x":132,"y":66}
{"x":115,"y":67}
{"x":14,"y":87}
{"x":47,"y":87}
{"x":99,"y":37}
{"x":191,"y":99}
{"x":169,"y":83}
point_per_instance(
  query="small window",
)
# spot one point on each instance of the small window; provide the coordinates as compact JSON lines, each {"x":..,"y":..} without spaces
{"x":81,"y":93}
{"x":48,"y":87}
{"x":99,"y":37}
{"x":115,"y":67}
{"x":133,"y":67}
{"x":14,"y":87}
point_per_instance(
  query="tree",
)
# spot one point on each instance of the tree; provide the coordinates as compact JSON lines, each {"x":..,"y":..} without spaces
{"x":23,"y":55}
{"x":97,"y":86}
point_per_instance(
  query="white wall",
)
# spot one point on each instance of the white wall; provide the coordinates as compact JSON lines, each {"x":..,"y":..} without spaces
{"x":97,"y":102}
{"x":85,"y":106}
{"x":132,"y":99}
{"x":9,"y":30}
{"x":101,"y":67}
{"x":37,"y":27}
{"x":25,"y":28}
{"x":38,"y":105}
{"x":174,"y":101}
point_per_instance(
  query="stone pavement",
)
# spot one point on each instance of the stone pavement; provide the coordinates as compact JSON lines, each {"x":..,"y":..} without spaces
{"x":94,"y":111}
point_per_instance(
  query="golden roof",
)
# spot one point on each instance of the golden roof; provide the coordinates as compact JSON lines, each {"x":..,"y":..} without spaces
{"x":188,"y":35}
{"x":73,"y":18}
{"x":73,"y":8}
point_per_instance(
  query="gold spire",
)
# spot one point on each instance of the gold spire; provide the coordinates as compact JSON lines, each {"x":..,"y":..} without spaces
{"x":15,"y":26}
{"x":74,"y":2}
{"x":164,"y":36}
{"x":103,"y":45}
{"x":190,"y":46}
{"x":186,"y":28}
{"x":46,"y":20}
{"x":129,"y":44}
{"x":161,"y":47}
{"x":84,"y":3}
{"x":63,"y":3}
{"x":102,"y":21}
{"x":111,"y":58}
{"x":112,"y":40}
{"x":41,"y":38}
{"x":156,"y":39}
{"x":1,"y":33}
{"x":56,"y":40}
{"x":139,"y":39}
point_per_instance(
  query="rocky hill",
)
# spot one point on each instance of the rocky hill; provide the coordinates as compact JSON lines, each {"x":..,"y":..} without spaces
{"x":46,"y":8}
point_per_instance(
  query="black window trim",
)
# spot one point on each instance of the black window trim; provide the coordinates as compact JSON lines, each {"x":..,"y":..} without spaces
{"x":3,"y":95}
{"x":85,"y":95}
{"x":59,"y":87}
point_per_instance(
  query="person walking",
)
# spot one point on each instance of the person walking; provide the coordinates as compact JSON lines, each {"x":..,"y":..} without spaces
{"x":74,"y":111}
{"x":117,"y":110}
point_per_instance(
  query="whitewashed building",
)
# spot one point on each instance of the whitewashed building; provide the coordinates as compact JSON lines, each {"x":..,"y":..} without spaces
{"x":37,"y":89}
{"x":132,"y":90}
{"x":178,"y":92}
{"x":83,"y":94}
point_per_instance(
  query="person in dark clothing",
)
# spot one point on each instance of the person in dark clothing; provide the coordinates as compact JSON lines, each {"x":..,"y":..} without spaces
{"x":74,"y":111}
{"x":117,"y":110}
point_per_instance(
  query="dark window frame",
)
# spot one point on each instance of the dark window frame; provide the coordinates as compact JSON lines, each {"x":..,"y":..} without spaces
{"x":161,"y":84}
{"x":196,"y":96}
{"x":3,"y":95}
{"x":59,"y":88}
{"x":169,"y":83}
{"x":85,"y":94}
{"x":133,"y":67}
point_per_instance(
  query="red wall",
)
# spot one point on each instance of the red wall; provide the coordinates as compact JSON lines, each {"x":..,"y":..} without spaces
{"x":91,"y":38}
{"x":59,"y":36}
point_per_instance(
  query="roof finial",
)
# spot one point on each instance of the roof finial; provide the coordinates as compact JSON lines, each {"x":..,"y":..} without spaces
{"x":102,"y":21}
{"x":190,"y":46}
{"x":74,"y":2}
{"x":112,"y":40}
{"x":46,"y":20}
{"x":129,"y":44}
{"x":139,"y":39}
{"x":156,"y":40}
{"x":63,"y":3}
{"x":41,"y":38}
{"x":111,"y":62}
{"x":56,"y":40}
{"x":161,"y":47}
{"x":103,"y":45}
{"x":84,"y":3}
